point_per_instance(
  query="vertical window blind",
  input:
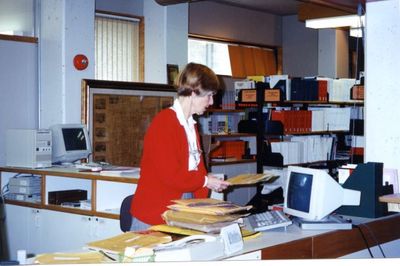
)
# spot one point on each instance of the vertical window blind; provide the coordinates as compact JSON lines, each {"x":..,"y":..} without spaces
{"x":252,"y":61}
{"x":234,"y":60}
{"x":116,"y":48}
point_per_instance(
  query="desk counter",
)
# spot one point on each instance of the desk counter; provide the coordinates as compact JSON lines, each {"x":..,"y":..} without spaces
{"x":295,"y":243}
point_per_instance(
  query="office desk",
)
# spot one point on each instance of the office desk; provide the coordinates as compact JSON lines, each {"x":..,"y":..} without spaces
{"x":41,"y":222}
{"x":295,"y":243}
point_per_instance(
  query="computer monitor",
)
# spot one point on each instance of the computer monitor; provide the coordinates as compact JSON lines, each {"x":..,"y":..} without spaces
{"x":70,"y":143}
{"x":312,"y":194}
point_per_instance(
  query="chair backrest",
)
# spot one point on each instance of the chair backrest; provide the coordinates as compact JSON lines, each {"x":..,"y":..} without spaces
{"x":125,"y":217}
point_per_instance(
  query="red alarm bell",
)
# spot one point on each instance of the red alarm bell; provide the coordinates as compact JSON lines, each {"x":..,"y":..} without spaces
{"x":81,"y":62}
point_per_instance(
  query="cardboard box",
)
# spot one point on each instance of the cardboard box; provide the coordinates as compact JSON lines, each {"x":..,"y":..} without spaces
{"x":272,"y":95}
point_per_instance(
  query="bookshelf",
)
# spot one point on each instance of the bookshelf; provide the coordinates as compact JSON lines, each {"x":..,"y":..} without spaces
{"x":293,"y":126}
{"x":222,"y":126}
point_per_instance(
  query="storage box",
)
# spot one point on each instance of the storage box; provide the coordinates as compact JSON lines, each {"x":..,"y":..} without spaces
{"x":272,"y":95}
{"x":73,"y":195}
{"x":229,"y":149}
{"x":357,"y":92}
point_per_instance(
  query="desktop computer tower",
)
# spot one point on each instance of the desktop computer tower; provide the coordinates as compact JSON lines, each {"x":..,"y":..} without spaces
{"x":30,"y":148}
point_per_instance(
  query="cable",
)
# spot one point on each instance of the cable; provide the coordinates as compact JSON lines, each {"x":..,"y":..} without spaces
{"x":365,"y":240}
{"x":376,"y":241}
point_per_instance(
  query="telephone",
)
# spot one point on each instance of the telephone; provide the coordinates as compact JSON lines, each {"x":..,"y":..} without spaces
{"x":191,"y":248}
{"x":183,"y":242}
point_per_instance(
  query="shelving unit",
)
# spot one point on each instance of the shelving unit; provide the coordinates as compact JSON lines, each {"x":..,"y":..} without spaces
{"x":99,"y":188}
{"x":225,"y":128}
{"x":301,"y":105}
{"x":39,"y":227}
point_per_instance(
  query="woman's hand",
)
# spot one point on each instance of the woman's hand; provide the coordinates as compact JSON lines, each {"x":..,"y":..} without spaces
{"x":216,"y":184}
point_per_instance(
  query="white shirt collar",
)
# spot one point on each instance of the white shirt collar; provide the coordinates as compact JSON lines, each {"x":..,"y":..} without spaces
{"x":181,"y":117}
{"x":188,"y":125}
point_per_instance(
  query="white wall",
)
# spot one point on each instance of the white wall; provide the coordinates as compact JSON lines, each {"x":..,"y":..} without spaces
{"x":234,"y":23}
{"x":165,"y":39}
{"x":177,"y":37}
{"x":333,"y":53}
{"x":327,"y":53}
{"x":18,"y":87}
{"x":382,"y":65}
{"x":121,"y":6}
{"x":155,"y":19}
{"x":62,"y":37}
{"x":299,"y":48}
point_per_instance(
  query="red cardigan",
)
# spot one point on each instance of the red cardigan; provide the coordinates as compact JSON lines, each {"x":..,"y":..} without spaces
{"x":164,"y":173}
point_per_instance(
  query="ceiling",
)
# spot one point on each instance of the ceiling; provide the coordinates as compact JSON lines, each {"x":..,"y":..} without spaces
{"x":290,"y":7}
{"x":277,"y":7}
{"x":280,"y":7}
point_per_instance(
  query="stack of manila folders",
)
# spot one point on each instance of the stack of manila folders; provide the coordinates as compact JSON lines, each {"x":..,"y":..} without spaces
{"x":205,"y":215}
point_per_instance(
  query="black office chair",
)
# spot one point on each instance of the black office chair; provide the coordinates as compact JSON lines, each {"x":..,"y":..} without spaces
{"x":125,"y":217}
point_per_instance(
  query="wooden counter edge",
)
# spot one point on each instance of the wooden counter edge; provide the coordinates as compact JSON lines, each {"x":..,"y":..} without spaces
{"x":338,"y":243}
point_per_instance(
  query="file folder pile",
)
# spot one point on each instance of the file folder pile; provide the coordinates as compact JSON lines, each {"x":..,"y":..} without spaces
{"x":206,"y":215}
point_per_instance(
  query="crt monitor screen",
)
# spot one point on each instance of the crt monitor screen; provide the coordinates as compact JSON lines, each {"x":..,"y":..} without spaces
{"x":312,"y":194}
{"x":299,"y":194}
{"x":70,"y":143}
{"x":74,"y":139}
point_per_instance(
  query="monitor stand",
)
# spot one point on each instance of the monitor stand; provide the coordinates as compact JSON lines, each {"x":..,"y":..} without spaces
{"x":331,"y":222}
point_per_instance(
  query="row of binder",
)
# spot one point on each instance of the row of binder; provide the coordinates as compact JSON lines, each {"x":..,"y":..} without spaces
{"x":317,"y":120}
{"x":298,"y":88}
{"x":304,"y":149}
{"x":220,"y":123}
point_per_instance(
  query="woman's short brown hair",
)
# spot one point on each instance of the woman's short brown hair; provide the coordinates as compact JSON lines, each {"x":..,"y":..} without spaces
{"x":196,"y":78}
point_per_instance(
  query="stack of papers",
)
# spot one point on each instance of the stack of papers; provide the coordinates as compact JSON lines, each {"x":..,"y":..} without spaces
{"x":71,"y":258}
{"x":205,"y":215}
{"x":207,"y":206}
{"x":249,"y":179}
{"x":121,"y":171}
{"x":118,"y":244}
{"x":246,"y":234}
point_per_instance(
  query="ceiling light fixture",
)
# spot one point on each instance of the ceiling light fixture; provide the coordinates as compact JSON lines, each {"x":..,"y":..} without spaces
{"x":356,"y":32}
{"x":352,"y":21}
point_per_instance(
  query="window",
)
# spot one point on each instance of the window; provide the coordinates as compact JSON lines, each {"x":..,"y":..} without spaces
{"x":117,"y":48}
{"x":17,"y":17}
{"x":233,"y":59}
{"x":212,"y":54}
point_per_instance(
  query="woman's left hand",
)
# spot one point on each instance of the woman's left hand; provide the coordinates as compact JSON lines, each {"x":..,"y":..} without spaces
{"x":216,"y":184}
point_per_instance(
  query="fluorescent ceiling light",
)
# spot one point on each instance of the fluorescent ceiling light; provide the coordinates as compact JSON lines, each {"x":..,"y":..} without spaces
{"x":352,"y":21}
{"x":356,"y":32}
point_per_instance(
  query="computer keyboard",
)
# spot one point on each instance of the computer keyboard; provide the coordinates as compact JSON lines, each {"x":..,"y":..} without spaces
{"x":268,"y":220}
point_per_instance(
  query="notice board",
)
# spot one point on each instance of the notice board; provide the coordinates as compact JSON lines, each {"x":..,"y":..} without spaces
{"x":118,"y":114}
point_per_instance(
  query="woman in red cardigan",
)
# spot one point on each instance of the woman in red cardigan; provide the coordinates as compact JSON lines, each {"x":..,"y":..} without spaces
{"x":172,"y":163}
